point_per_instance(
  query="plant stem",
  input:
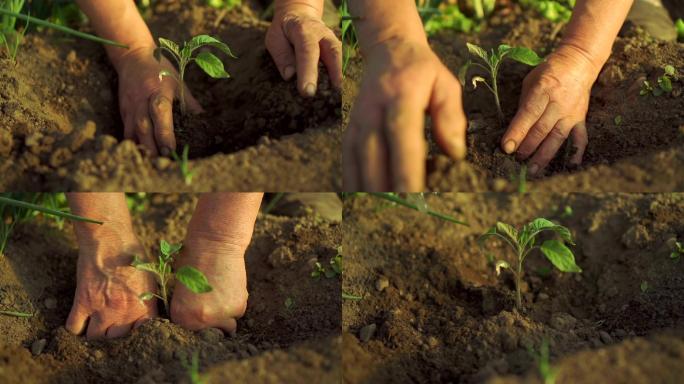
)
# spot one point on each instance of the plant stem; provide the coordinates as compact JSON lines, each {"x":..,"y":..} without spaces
{"x":165,"y":299}
{"x":518,"y":283}
{"x":181,"y":91}
{"x":496,"y":96}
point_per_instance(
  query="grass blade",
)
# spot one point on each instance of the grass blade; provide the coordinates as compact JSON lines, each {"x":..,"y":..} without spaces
{"x":16,"y":314}
{"x":400,"y":201}
{"x":44,"y":23}
{"x":39,"y":208}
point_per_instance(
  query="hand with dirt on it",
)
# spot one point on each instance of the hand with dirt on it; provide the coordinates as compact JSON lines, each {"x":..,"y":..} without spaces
{"x":297,"y":39}
{"x":106,"y":302}
{"x":146,"y":100}
{"x":384,"y":147}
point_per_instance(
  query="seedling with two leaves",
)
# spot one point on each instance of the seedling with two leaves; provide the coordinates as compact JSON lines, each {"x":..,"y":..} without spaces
{"x":664,"y":83}
{"x":524,"y":241}
{"x":335,"y":268}
{"x":492,"y":63}
{"x":192,"y":278}
{"x":207,"y":61}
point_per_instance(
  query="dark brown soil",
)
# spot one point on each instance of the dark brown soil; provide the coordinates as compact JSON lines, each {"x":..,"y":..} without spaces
{"x":643,"y":153}
{"x":60,"y":126}
{"x":274,"y":343}
{"x":446,"y":317}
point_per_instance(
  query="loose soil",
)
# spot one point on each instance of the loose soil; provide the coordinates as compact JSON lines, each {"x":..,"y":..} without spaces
{"x":274,"y":343}
{"x":644,"y":153}
{"x":442,"y":315}
{"x":61,"y":129}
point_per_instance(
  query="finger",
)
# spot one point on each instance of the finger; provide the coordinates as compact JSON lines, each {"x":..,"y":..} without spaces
{"x":350,"y":167}
{"x":96,"y":328}
{"x":532,"y":106}
{"x":307,"y":53}
{"x":373,"y":158}
{"x":118,"y":330}
{"x":144,"y":130}
{"x":539,"y":131}
{"x":282,"y":53}
{"x":331,"y":55}
{"x":404,"y":133}
{"x":548,"y":149}
{"x":161,"y":112}
{"x":580,"y":139}
{"x":77,"y":320}
{"x":193,"y":105}
{"x":448,"y":119}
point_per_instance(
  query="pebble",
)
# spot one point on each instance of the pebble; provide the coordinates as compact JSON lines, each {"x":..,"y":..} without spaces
{"x":620,"y":333}
{"x":38,"y":346}
{"x":50,"y":303}
{"x":252,"y":349}
{"x":381,"y":283}
{"x":543,"y":296}
{"x":211,"y":335}
{"x":605,"y":337}
{"x":562,"y":321}
{"x":367,"y":332}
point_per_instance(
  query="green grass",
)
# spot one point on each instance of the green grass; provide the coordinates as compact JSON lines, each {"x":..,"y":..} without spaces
{"x":350,"y":42}
{"x":184,"y":164}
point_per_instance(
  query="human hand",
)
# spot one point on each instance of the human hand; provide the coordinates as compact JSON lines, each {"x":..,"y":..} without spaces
{"x":107,"y":287}
{"x":297,"y":39}
{"x":146,"y":103}
{"x":553,"y":105}
{"x":384,"y":147}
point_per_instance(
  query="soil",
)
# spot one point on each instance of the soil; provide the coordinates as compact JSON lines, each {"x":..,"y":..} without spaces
{"x":61,"y":129}
{"x":274,"y":343}
{"x":442,"y":315}
{"x":644,"y":153}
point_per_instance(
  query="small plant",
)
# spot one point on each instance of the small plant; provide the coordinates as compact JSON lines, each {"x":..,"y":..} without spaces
{"x":546,"y":371}
{"x":184,"y":164}
{"x":664,"y":83}
{"x":210,"y":64}
{"x":193,"y":369}
{"x":643,"y":286}
{"x":554,"y":10}
{"x":618,"y":120}
{"x":677,"y":251}
{"x":492,"y":63}
{"x":192,"y":278}
{"x":521,"y":180}
{"x":9,"y":36}
{"x":350,"y":41}
{"x":289,"y":303}
{"x":524,"y":241}
{"x":334,"y":270}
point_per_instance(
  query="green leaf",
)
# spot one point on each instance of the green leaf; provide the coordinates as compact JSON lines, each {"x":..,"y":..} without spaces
{"x":525,"y":56}
{"x":167,"y":249}
{"x":170,"y":45}
{"x":508,"y":230}
{"x":212,"y":65}
{"x":503,"y":50}
{"x":560,"y":256}
{"x":665,"y":84}
{"x":501,"y":264}
{"x":541,"y":224}
{"x":193,"y":279}
{"x":143,"y":266}
{"x":669,"y":70}
{"x":477,"y":51}
{"x":202,"y":40}
{"x":146,"y":296}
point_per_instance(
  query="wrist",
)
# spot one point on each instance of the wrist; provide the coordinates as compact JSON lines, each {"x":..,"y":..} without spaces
{"x":579,"y":58}
{"x":312,"y":8}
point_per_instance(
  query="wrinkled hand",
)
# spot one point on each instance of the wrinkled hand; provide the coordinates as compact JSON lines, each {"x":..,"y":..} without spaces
{"x":296,"y":39}
{"x":146,"y":103}
{"x":384,"y":147}
{"x":553,"y":106}
{"x":107,"y":289}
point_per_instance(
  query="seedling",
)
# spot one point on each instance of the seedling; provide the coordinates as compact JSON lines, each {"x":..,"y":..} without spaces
{"x":678,"y":251}
{"x":546,"y":371}
{"x":643,"y":286}
{"x":554,"y":10}
{"x":524,"y":242}
{"x":193,"y":369}
{"x":618,"y":120}
{"x":9,"y":35}
{"x":334,"y":270}
{"x":521,"y":180}
{"x":192,"y":278}
{"x":492,"y":63}
{"x":184,"y":164}
{"x":350,"y":42}
{"x":664,"y":83}
{"x":289,"y":303}
{"x":207,"y":61}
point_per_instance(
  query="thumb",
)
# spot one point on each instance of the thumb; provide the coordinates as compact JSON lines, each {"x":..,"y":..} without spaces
{"x":449,"y":122}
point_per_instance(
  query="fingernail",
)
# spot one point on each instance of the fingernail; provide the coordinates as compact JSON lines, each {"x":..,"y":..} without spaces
{"x":288,"y":72}
{"x":534,"y":168}
{"x":509,"y":147}
{"x":165,"y":151}
{"x":310,"y":90}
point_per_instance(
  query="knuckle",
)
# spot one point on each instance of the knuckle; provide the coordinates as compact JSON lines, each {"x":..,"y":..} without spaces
{"x":532,"y":108}
{"x":558,"y":133}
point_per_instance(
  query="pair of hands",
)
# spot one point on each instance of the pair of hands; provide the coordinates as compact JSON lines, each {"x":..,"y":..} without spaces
{"x":296,"y":39}
{"x":106,"y":302}
{"x":384,"y":148}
